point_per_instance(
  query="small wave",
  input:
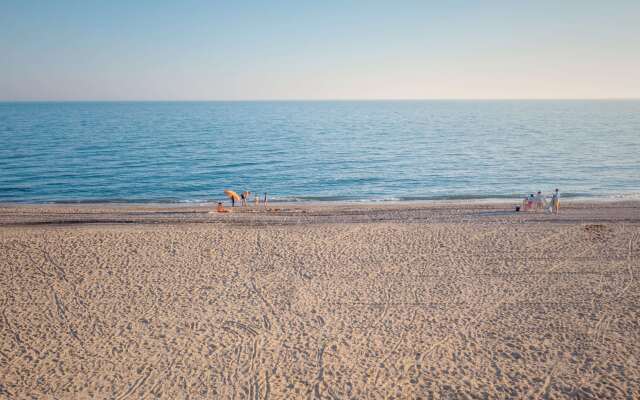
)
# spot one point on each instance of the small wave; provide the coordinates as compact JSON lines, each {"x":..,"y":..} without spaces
{"x":579,"y":196}
{"x":441,"y":197}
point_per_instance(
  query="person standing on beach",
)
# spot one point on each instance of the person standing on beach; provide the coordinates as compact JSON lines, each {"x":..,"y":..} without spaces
{"x":245,"y":196}
{"x":555,"y":202}
{"x":256,"y":200}
{"x":530,"y":202}
{"x":265,"y":199}
{"x":539,"y":201}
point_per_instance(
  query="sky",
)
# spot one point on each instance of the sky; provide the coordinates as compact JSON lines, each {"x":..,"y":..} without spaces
{"x":259,"y":50}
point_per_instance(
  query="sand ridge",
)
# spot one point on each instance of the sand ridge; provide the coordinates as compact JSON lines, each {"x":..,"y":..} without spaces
{"x":456,"y":301}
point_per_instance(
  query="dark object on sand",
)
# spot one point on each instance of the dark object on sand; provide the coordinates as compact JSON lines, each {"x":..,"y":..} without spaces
{"x":517,"y":208}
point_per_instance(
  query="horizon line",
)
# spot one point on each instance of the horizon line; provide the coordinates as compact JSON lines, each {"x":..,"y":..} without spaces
{"x":316,"y":100}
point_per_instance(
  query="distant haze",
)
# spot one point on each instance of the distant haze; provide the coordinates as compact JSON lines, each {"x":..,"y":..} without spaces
{"x":219,"y":50}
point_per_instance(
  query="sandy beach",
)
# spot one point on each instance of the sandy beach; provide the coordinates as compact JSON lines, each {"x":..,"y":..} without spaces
{"x":442,"y":300}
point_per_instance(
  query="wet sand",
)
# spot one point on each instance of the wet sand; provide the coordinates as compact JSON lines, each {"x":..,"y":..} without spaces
{"x":348,"y":301}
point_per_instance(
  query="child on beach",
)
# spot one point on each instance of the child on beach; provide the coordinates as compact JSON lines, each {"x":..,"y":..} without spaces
{"x":530,"y":202}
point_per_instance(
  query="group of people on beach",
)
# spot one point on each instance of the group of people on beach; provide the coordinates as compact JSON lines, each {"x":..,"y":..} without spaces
{"x":538,"y":202}
{"x":243,"y":198}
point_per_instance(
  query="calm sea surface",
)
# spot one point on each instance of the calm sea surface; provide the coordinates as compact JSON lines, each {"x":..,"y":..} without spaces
{"x":318,"y":151}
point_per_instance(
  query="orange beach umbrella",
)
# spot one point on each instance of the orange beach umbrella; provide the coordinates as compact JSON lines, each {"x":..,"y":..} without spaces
{"x":232,"y":195}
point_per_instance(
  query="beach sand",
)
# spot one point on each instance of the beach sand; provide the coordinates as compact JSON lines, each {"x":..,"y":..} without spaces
{"x":347,"y":301}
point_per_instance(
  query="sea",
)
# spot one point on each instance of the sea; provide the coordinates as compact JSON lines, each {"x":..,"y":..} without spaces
{"x":318,"y":151}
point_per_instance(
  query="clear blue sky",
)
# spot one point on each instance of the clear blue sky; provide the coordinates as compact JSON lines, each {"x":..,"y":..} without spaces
{"x":198,"y":50}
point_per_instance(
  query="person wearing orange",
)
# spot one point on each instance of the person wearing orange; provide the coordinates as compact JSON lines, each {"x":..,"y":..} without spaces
{"x":221,"y":208}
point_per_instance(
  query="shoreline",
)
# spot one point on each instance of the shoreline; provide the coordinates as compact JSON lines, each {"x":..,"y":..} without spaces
{"x":287,"y":200}
{"x":291,"y":213}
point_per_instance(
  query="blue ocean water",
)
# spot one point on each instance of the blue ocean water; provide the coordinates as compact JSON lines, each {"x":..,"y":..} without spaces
{"x":325,"y":150}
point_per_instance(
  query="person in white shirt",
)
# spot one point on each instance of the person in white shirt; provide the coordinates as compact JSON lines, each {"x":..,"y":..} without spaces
{"x":539,"y":201}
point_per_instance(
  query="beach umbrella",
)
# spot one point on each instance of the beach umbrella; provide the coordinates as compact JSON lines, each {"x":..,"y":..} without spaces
{"x":232,"y":195}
